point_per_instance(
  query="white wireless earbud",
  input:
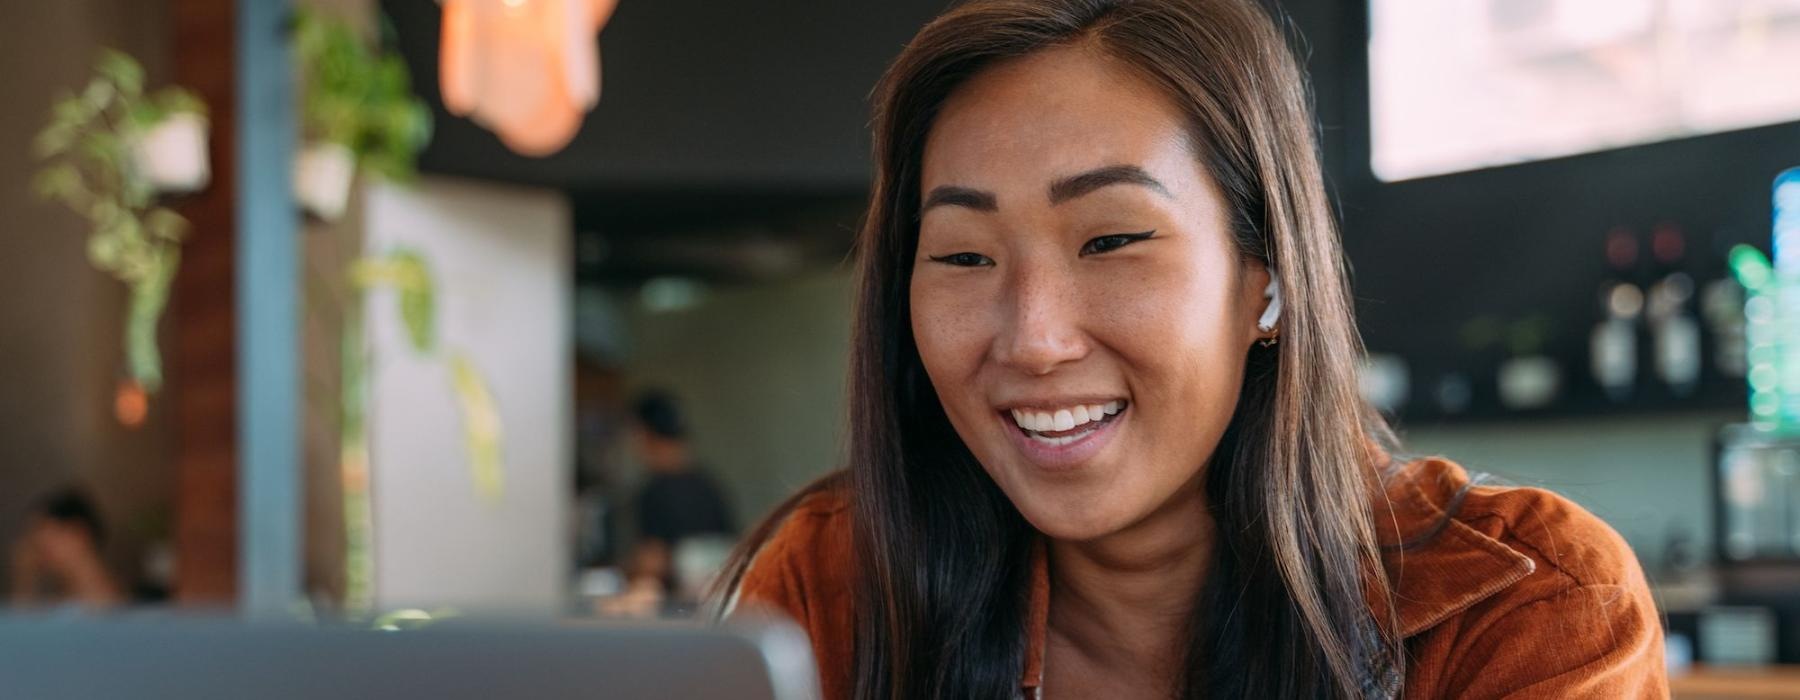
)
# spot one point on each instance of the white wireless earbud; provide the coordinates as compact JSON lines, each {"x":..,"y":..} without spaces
{"x":1273,"y":312}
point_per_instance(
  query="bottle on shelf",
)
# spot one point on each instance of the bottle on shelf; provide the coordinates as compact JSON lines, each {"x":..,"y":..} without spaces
{"x":1528,"y":379}
{"x":1721,"y":308}
{"x":1613,"y":344}
{"x":1674,"y":331}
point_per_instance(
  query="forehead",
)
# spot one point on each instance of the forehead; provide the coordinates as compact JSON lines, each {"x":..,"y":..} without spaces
{"x":1069,"y":109}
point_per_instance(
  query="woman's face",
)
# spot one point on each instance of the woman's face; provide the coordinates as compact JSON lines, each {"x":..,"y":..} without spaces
{"x":1076,"y":298}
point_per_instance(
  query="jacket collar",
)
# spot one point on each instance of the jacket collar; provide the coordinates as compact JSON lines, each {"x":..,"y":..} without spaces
{"x":1437,"y":565}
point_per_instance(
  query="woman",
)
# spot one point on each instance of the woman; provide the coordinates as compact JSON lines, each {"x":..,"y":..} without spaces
{"x":1093,"y":454}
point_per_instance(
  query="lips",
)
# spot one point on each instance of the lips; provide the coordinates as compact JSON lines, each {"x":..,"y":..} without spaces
{"x":1060,"y":439}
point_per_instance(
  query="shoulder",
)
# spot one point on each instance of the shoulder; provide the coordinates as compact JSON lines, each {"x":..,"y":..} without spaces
{"x":1568,"y":546}
{"x":803,"y":572}
{"x":812,"y":540}
{"x":802,"y":568}
{"x":1545,"y":593}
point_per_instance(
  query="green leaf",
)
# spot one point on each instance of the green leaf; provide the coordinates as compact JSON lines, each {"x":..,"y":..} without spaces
{"x":145,"y":114}
{"x":417,"y":312}
{"x":122,"y":71}
{"x":54,"y":140}
{"x":136,"y":191}
{"x":358,"y":96}
{"x":70,"y":111}
{"x":103,"y":251}
{"x":164,"y":224}
{"x":107,"y":213}
{"x":103,"y":147}
{"x":57,"y":182}
{"x":405,"y":272}
{"x":97,"y":95}
{"x":417,"y":299}
{"x":483,"y":431}
{"x":391,"y":78}
{"x":175,"y":100}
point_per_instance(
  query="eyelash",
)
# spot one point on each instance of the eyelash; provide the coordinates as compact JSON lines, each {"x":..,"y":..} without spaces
{"x":963,"y":260}
{"x":1092,"y":247}
{"x":1122,"y":239}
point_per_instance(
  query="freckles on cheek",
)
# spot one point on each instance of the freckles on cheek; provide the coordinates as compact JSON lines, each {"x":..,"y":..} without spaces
{"x":1158,"y":313}
{"x":944,"y":331}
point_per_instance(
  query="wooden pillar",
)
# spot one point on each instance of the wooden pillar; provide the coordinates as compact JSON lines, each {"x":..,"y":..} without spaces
{"x":202,"y":323}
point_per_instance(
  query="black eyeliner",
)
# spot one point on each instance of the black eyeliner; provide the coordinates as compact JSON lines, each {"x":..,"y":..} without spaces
{"x":1129,"y":237}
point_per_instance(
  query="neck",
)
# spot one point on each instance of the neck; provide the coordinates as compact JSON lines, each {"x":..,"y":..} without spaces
{"x":1125,"y":601}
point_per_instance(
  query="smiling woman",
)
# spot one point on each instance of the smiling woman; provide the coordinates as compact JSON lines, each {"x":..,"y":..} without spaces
{"x":1080,"y":464}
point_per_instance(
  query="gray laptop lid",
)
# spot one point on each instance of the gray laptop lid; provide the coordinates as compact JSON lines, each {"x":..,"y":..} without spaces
{"x":175,"y":658}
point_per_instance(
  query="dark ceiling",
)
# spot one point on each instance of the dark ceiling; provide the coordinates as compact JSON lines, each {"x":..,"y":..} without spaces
{"x":698,"y":96}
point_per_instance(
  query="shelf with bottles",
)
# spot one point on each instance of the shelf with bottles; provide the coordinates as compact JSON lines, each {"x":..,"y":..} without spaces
{"x":1664,"y":332}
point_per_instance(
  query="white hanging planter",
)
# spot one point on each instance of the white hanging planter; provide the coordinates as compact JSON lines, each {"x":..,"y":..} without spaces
{"x":172,"y":155}
{"x":323,"y":173}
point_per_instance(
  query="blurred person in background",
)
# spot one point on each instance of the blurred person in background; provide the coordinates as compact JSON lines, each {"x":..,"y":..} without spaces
{"x":682,"y":515}
{"x":57,"y":562}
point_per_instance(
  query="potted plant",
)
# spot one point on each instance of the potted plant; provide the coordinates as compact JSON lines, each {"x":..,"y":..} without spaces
{"x":171,"y":150}
{"x":108,"y":151}
{"x":357,"y":112}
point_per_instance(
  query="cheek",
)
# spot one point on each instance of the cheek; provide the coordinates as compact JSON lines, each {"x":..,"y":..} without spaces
{"x":1183,"y":354}
{"x":947,"y":328}
{"x":1176,"y":318}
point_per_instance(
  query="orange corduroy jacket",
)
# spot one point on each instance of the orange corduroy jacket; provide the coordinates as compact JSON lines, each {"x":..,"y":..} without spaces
{"x":1522,"y":594}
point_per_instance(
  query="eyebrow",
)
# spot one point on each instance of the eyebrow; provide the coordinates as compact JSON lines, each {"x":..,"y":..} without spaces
{"x":954,"y":196}
{"x":1077,"y":185}
{"x":1060,"y":191}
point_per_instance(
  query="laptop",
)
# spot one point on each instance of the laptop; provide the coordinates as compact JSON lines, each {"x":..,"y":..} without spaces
{"x":58,"y":659}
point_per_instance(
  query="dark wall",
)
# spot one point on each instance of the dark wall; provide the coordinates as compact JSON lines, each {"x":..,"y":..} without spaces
{"x":62,"y":354}
{"x":1506,"y":243}
{"x":720,"y":96}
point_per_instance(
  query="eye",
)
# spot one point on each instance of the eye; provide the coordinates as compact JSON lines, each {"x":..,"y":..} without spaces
{"x":963,"y":260}
{"x":1107,"y":244}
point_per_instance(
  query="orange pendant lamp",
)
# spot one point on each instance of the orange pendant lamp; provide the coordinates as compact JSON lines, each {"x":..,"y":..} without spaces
{"x":528,"y":70}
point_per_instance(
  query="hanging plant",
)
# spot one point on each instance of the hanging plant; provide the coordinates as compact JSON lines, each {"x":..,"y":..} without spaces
{"x":405,"y":272}
{"x":107,"y":152}
{"x":358,"y":111}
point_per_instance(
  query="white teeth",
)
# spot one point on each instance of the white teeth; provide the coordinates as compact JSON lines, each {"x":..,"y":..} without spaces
{"x":1064,"y":419}
{"x":1033,"y":420}
{"x":1058,"y":441}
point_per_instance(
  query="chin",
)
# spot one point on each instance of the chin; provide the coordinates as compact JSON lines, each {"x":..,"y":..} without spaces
{"x":1075,"y":520}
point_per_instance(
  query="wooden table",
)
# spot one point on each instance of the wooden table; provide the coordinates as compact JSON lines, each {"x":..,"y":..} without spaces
{"x":1727,"y":682}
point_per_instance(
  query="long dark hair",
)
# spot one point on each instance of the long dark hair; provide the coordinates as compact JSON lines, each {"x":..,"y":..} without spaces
{"x":941,"y":555}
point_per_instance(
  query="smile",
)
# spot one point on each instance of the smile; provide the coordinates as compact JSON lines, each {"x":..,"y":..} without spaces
{"x":1062,"y":439}
{"x":1063,"y":426}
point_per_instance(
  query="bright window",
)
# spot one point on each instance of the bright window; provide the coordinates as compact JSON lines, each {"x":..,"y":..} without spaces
{"x":1464,"y":84}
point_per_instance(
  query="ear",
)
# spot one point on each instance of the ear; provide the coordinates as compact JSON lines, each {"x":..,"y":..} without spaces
{"x":1261,"y":292}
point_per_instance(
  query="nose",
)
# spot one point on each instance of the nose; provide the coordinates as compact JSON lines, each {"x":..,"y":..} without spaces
{"x":1041,"y":313}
